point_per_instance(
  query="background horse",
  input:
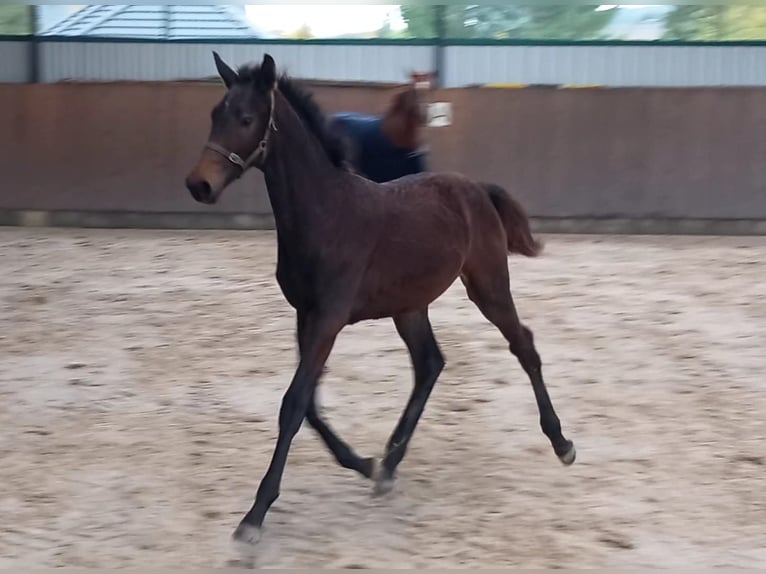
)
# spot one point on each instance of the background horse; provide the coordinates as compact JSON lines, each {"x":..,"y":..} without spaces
{"x":350,"y":250}
{"x":385,"y":147}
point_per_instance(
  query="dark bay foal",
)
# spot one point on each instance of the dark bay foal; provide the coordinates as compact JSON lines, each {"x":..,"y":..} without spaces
{"x":351,"y":250}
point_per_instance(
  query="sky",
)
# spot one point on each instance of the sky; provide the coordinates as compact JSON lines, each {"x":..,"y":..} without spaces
{"x":324,"y":20}
{"x":604,"y":7}
{"x":334,"y":20}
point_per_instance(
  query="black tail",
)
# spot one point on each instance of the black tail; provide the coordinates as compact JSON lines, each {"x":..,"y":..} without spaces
{"x":515,"y":221}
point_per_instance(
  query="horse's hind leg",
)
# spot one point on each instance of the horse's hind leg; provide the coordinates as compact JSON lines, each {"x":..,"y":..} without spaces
{"x":489,"y":289}
{"x":427,"y":362}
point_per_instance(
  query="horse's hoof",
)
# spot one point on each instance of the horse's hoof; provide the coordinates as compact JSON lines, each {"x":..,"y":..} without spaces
{"x":383,"y":486}
{"x":247,"y":534}
{"x":569,"y":456}
{"x":383,"y":483}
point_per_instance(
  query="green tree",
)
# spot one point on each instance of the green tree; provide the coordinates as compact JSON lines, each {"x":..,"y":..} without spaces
{"x":470,"y":21}
{"x":694,"y":23}
{"x":521,"y":22}
{"x":745,"y":23}
{"x":16,"y":19}
{"x":711,"y":23}
{"x":564,"y":23}
{"x":485,"y":21}
{"x":302,"y":33}
{"x":420,"y":20}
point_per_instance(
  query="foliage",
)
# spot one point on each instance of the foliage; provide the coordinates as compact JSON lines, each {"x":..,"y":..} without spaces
{"x":302,"y":33}
{"x":744,"y":23}
{"x":572,"y":22}
{"x":694,"y":23}
{"x":509,"y":21}
{"x":420,"y":20}
{"x":564,"y":23}
{"x":15,"y":19}
{"x":716,"y":23}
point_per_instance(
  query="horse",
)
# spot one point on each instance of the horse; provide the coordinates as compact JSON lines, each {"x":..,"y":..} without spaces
{"x":350,"y":250}
{"x":388,"y":146}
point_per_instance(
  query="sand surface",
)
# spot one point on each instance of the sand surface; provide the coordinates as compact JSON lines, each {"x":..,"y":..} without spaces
{"x":141,"y":374}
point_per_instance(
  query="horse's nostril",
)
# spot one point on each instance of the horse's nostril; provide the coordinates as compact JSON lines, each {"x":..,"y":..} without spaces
{"x":200,"y":190}
{"x":204,"y":191}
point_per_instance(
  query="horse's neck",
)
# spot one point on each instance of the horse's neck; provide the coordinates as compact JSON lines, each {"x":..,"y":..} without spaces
{"x":300,"y":178}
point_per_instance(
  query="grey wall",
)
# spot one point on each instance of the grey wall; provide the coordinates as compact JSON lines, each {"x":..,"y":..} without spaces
{"x":155,"y":61}
{"x":612,"y":65}
{"x":14,"y":62}
{"x":629,"y":65}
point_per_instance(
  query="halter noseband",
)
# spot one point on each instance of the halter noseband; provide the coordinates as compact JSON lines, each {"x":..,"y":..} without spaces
{"x":258,"y":155}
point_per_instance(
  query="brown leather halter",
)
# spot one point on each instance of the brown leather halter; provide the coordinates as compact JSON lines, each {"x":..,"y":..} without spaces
{"x":258,"y":155}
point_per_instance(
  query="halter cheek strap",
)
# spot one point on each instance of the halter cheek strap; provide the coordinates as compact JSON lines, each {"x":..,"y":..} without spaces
{"x":259,"y":153}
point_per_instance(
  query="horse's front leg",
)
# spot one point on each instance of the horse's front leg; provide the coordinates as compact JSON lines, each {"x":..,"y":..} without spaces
{"x":343,"y":453}
{"x":317,"y":341}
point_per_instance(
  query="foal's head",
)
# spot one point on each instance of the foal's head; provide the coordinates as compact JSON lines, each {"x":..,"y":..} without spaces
{"x":242,"y":123}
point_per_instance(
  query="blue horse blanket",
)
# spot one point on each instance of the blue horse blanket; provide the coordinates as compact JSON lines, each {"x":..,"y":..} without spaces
{"x":374,"y":156}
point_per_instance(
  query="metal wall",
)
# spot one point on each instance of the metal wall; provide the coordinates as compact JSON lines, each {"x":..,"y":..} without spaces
{"x":613,"y":65}
{"x":14,"y":61}
{"x":610,"y":65}
{"x":168,"y":61}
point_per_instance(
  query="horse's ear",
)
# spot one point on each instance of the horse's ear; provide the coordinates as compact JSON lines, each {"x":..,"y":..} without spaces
{"x":228,"y":75}
{"x":268,"y":71}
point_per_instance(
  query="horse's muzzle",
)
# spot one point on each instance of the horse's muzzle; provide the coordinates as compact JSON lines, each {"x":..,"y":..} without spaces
{"x":201,"y":191}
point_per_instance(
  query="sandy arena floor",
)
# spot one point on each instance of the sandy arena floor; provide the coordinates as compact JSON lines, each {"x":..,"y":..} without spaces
{"x":141,"y":374}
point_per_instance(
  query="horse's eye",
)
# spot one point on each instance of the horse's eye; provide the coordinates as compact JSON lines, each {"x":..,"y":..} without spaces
{"x":246,"y":121}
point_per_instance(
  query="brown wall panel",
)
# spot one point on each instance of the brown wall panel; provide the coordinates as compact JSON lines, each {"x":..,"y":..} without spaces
{"x":694,"y":153}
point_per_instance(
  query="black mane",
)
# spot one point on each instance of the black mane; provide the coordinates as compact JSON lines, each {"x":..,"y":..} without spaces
{"x":306,"y":107}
